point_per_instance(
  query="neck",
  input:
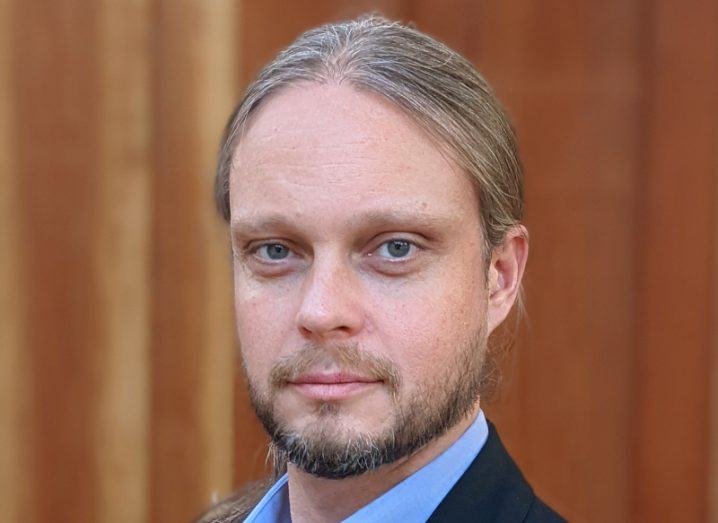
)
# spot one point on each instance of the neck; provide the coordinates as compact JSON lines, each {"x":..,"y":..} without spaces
{"x":319,"y":500}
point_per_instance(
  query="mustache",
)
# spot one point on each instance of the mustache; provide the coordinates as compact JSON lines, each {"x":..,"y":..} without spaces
{"x":342,"y":357}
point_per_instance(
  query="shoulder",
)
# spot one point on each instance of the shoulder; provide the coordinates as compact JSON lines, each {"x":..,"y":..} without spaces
{"x":493,"y":489}
{"x":237,"y":506}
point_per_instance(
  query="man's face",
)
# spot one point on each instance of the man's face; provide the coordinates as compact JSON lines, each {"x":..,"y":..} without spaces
{"x":359,"y":277}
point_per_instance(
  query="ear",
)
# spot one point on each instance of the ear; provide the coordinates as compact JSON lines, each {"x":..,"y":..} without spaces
{"x":506,"y":270}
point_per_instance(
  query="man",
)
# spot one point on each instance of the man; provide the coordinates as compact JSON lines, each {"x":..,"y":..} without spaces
{"x":374,"y":194}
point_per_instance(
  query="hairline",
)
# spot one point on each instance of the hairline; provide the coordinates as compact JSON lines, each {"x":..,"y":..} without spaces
{"x":441,"y":143}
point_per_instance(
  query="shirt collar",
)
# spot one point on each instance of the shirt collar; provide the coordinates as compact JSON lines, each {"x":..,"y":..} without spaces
{"x":413,"y":499}
{"x":416,"y":497}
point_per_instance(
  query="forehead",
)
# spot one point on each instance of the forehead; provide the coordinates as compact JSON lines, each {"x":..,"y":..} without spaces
{"x":334,"y":150}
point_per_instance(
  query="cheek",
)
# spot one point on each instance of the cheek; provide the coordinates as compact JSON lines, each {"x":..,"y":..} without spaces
{"x":264,"y":318}
{"x":424,"y":325}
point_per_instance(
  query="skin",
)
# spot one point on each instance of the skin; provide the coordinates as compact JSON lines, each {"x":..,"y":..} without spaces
{"x":332,"y":174}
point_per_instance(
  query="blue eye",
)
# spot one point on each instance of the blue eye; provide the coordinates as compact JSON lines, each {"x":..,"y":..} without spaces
{"x":396,"y":249}
{"x":273,"y":251}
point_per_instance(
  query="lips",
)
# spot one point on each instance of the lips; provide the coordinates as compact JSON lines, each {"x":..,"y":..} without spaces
{"x":332,"y":386}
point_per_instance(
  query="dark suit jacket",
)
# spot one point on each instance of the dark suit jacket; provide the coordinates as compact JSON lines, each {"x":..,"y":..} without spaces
{"x":493,"y":490}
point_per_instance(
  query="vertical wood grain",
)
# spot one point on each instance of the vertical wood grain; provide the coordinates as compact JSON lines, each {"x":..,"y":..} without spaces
{"x":14,"y":375}
{"x":677,"y":266}
{"x":217,"y":90}
{"x":122,"y":261}
{"x":193,"y":353}
{"x":54,"y":86}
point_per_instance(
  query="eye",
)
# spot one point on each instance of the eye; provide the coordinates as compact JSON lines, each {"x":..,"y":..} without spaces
{"x":272,"y":252}
{"x":396,"y":249}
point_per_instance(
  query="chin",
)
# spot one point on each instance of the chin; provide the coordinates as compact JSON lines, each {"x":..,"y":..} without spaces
{"x":336,"y":422}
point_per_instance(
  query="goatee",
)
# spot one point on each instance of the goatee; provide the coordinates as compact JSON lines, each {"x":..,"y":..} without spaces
{"x":434,"y":407}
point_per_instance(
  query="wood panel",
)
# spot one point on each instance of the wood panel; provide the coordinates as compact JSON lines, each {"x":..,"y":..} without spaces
{"x":14,"y":365}
{"x":56,"y":157}
{"x":193,"y":340}
{"x":121,"y":259}
{"x":79,"y":184}
{"x":118,"y":349}
{"x":677,"y":268}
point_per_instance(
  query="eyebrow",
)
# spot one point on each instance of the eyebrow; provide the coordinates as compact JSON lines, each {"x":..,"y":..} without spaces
{"x":395,"y":219}
{"x":402,"y":219}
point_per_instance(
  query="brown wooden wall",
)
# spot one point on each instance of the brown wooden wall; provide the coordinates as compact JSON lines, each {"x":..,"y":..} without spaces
{"x":120,"y":398}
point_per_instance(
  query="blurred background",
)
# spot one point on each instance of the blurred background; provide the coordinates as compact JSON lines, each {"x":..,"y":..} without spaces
{"x":120,"y":395}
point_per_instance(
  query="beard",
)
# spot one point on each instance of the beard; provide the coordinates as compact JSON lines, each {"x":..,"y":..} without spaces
{"x":431,"y":410}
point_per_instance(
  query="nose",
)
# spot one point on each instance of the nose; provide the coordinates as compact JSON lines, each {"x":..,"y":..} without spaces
{"x":330,"y":309}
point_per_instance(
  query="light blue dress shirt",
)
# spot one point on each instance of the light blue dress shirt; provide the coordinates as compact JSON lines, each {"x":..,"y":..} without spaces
{"x":412,"y":500}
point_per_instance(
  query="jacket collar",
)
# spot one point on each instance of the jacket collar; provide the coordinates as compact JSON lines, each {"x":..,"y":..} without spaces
{"x":491,"y":489}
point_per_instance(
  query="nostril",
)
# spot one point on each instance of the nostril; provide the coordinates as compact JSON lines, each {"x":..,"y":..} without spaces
{"x":324,"y":324}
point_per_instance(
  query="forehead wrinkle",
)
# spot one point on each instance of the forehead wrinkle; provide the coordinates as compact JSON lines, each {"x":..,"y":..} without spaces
{"x":299,"y":164}
{"x":284,"y":166}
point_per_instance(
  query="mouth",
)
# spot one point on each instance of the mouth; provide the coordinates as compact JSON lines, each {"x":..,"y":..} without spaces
{"x":332,"y":386}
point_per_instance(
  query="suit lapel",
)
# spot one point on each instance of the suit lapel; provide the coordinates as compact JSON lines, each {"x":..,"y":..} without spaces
{"x":492,"y":489}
